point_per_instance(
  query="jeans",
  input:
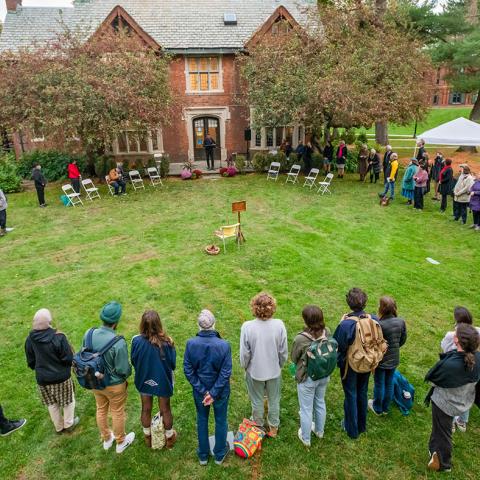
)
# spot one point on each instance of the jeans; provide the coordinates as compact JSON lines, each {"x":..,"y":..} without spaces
{"x":441,"y":437}
{"x":209,"y":155}
{"x":76,"y":184}
{"x":355,"y":405}
{"x":389,"y":186}
{"x":418,"y":195}
{"x":40,"y":194}
{"x":311,"y":398}
{"x":220,"y":410}
{"x":464,"y":416}
{"x":383,"y":390}
{"x":476,"y":217}
{"x":119,"y":185}
{"x":256,"y":391}
{"x":460,"y":211}
{"x":3,"y":219}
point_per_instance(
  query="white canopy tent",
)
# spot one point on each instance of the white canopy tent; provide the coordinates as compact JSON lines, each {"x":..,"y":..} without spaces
{"x":461,"y":132}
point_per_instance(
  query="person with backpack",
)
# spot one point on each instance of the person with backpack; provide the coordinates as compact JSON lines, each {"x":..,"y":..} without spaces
{"x":113,"y":397}
{"x":357,"y":360}
{"x":394,"y":332}
{"x":454,"y":378}
{"x":263,"y":352}
{"x":207,"y":365}
{"x":154,"y":359}
{"x":50,"y":355}
{"x":314,"y":355}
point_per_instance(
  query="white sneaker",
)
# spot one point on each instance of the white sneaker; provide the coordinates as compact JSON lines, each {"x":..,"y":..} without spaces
{"x":307,"y":444}
{"x":121,"y":447}
{"x":462,"y":426}
{"x":370,"y":406}
{"x":107,"y":444}
{"x":318,"y":434}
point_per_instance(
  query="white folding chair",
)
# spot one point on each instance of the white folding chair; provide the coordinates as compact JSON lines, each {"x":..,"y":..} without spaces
{"x":292,"y":175}
{"x":154,"y":176}
{"x":90,"y":189}
{"x":73,"y":197}
{"x":311,"y":178}
{"x":324,"y":186}
{"x":136,"y":179}
{"x":109,"y":185}
{"x":228,"y":231}
{"x":273,"y":171}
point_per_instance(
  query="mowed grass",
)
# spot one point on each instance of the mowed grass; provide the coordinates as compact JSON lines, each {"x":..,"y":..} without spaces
{"x":146,"y":251}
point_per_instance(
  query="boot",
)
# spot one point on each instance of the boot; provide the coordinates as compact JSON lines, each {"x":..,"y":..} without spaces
{"x":3,"y":232}
{"x":170,"y":441}
{"x":148,"y":441}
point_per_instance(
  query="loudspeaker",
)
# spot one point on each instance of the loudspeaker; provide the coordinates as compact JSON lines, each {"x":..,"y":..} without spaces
{"x":248,"y":134}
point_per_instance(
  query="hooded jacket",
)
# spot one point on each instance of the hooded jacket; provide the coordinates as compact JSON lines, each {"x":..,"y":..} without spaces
{"x":50,"y":355}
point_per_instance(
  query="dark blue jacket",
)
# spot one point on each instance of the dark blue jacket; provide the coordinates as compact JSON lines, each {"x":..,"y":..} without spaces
{"x":208,"y":364}
{"x":153,"y":367}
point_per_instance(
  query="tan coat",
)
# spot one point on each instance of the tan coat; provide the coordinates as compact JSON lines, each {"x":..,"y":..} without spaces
{"x":461,"y":192}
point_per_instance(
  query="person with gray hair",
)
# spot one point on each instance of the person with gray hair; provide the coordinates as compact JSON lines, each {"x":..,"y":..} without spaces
{"x":50,"y":355}
{"x":207,"y":365}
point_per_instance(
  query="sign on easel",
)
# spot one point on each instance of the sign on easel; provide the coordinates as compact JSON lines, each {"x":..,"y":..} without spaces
{"x":238,"y":207}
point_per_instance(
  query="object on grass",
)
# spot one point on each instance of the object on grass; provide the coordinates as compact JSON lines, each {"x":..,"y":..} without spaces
{"x":212,"y":250}
{"x":323,"y":187}
{"x":90,"y":189}
{"x":136,"y":180}
{"x":154,"y":176}
{"x":273,"y":171}
{"x":292,"y":175}
{"x":10,"y":229}
{"x":72,"y":196}
{"x":311,"y":178}
{"x":228,"y":231}
{"x":432,"y":261}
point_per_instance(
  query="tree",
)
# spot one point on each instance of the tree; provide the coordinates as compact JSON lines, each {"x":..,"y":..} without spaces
{"x":81,"y":94}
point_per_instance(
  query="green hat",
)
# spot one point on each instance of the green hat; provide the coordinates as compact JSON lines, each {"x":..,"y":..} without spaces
{"x":111,"y":313}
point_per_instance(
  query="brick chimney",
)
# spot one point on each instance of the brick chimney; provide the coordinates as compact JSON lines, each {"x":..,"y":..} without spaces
{"x":13,"y":4}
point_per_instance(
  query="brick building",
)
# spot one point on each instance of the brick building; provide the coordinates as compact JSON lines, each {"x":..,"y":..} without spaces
{"x":203,"y":36}
{"x":443,"y":95}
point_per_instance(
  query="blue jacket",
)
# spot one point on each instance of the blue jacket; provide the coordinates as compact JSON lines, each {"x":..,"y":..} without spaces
{"x":153,"y":368}
{"x":207,"y":364}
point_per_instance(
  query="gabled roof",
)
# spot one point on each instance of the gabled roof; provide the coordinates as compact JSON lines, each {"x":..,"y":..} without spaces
{"x":177,"y":25}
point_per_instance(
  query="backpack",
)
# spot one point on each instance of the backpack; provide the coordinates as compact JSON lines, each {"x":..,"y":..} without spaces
{"x":368,"y":348}
{"x":157,"y":430}
{"x":321,"y":357}
{"x":89,"y":366}
{"x":403,"y":393}
{"x":248,"y":439}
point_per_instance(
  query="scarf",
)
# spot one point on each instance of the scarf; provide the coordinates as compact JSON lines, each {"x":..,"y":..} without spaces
{"x":340,"y":151}
{"x":442,"y":171}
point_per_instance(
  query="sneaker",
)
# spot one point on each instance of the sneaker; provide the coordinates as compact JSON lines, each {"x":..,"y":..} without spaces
{"x":121,"y":447}
{"x":434,"y":463}
{"x":370,"y":406}
{"x":272,"y":432}
{"x":12,"y":426}
{"x":317,"y":434}
{"x":305,"y":443}
{"x":203,"y":463}
{"x":477,"y":228}
{"x":219,"y":462}
{"x":462,"y":426}
{"x":3,"y":232}
{"x":107,"y":444}
{"x":170,"y":441}
{"x":76,"y":421}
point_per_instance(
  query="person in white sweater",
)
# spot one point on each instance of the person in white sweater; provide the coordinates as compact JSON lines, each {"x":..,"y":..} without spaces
{"x":3,"y":214}
{"x":263,"y":353}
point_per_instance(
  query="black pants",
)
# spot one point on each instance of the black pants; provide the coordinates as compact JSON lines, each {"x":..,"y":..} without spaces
{"x":460,"y":211}
{"x":3,"y":219}
{"x":374,"y":176}
{"x":476,"y":218}
{"x":418,"y":195}
{"x":441,"y":437}
{"x":40,"y":194}
{"x":444,"y":203}
{"x":76,"y":184}
{"x":209,"y":154}
{"x":307,"y":164}
{"x":3,"y":420}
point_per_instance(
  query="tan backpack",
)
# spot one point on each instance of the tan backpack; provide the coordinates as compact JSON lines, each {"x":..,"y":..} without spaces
{"x":368,"y":348}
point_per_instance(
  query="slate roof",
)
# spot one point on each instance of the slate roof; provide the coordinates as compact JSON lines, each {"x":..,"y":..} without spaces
{"x":174,"y":24}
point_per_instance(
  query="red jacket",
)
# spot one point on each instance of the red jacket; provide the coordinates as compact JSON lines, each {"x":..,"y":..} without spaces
{"x":73,"y":171}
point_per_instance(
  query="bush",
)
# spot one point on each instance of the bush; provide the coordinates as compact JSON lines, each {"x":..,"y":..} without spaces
{"x":223,"y":171}
{"x":240,"y":162}
{"x":164,"y":166}
{"x":362,"y":137}
{"x":54,"y":164}
{"x":231,"y":171}
{"x":186,"y":174}
{"x":349,"y":136}
{"x":260,"y":162}
{"x":197,"y":174}
{"x":103,"y":165}
{"x":317,"y":160}
{"x":10,"y":180}
{"x":293,"y":160}
{"x":281,"y":158}
{"x":352,"y":162}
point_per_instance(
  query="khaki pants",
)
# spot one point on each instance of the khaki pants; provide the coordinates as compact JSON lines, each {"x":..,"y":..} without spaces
{"x":113,"y":398}
{"x":65,"y":420}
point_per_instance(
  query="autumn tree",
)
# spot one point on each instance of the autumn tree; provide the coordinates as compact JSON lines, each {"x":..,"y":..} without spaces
{"x":81,"y":94}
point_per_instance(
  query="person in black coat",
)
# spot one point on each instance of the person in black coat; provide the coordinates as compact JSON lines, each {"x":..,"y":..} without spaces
{"x":328,"y":152}
{"x":40,"y":183}
{"x":446,"y":183}
{"x":374,"y":165}
{"x":307,"y":157}
{"x":49,"y":354}
{"x":421,"y":149}
{"x":395,"y":334}
{"x":386,"y":162}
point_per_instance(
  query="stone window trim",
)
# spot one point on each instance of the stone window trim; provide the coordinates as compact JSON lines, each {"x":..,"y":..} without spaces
{"x":298,"y":135}
{"x":188,"y":89}
{"x":150,"y":140}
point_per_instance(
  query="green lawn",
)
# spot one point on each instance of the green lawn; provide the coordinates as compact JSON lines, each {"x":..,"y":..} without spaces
{"x":146,"y":251}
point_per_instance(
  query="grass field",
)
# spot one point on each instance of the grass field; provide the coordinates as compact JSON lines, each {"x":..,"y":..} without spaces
{"x":145,"y":250}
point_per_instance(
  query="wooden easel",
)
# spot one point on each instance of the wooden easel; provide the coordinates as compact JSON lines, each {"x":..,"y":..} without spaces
{"x":238,"y":207}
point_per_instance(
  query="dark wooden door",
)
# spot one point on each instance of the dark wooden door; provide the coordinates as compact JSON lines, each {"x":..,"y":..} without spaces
{"x":201,"y":127}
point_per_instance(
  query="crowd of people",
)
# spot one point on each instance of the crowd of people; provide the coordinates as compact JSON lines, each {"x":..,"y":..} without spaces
{"x":263,"y":351}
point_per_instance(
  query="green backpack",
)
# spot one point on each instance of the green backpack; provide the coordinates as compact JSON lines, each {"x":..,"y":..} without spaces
{"x":321,"y":357}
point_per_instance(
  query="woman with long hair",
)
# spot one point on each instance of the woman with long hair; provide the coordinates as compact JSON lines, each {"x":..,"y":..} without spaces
{"x":154,"y":359}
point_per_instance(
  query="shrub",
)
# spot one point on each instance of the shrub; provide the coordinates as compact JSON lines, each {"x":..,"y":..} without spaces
{"x":186,"y":174}
{"x":293,"y":160}
{"x":317,"y":160}
{"x":352,"y":161}
{"x":231,"y":171}
{"x":260,"y":162}
{"x":281,"y":158}
{"x":222,"y":171}
{"x":164,"y":166}
{"x":197,"y":174}
{"x":349,"y":135}
{"x":362,"y":137}
{"x":240,"y":162}
{"x":10,"y":180}
{"x":103,"y":165}
{"x":54,"y":164}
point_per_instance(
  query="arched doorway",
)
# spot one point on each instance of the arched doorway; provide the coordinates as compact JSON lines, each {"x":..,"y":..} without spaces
{"x":201,"y":127}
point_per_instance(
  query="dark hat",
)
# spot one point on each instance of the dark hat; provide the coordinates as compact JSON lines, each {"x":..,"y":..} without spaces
{"x":111,"y":313}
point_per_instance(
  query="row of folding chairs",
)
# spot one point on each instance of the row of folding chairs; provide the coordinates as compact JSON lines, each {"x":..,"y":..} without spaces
{"x":74,"y":198}
{"x":310,"y":180}
{"x":137,"y":181}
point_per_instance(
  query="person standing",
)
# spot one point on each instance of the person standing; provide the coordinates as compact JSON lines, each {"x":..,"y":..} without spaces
{"x":50,"y":355}
{"x":374,"y":165}
{"x":461,"y":194}
{"x":391,"y":178}
{"x":454,"y":378}
{"x":435,"y":172}
{"x":209,"y":145}
{"x":395,"y":334}
{"x":154,"y":359}
{"x":207,"y":364}
{"x":475,"y":203}
{"x":421,"y":179}
{"x":328,"y":152}
{"x":311,"y":393}
{"x":115,"y":177}
{"x":3,"y":214}
{"x":386,"y":162}
{"x":307,"y":157}
{"x":363,"y":162}
{"x":408,"y":183}
{"x":7,"y":426}
{"x":445,"y":180}
{"x":300,"y":151}
{"x":74,"y":175}
{"x":40,"y":183}
{"x":263,"y":352}
{"x":113,"y":397}
{"x":421,"y":150}
{"x":341,"y":157}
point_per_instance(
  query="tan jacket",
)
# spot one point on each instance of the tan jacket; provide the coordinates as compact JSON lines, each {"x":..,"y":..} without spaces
{"x":461,"y":192}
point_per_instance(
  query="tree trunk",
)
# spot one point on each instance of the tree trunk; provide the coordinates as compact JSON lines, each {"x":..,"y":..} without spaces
{"x":475,"y":113}
{"x":381,"y":132}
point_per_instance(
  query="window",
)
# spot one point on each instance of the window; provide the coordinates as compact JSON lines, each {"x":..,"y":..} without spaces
{"x":203,"y":74}
{"x":456,"y":98}
{"x":269,"y":136}
{"x":435,"y":100}
{"x":278,"y":136}
{"x":258,"y":138}
{"x":272,"y":137}
{"x":133,"y":142}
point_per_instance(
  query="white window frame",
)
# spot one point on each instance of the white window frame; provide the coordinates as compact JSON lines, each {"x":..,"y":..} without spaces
{"x":150,"y":150}
{"x":298,"y":134}
{"x":188,"y":90}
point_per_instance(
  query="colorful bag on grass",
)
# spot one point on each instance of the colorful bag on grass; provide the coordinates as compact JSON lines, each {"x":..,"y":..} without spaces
{"x":248,"y":439}
{"x":64,"y":199}
{"x":157,"y":430}
{"x":403,"y":393}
